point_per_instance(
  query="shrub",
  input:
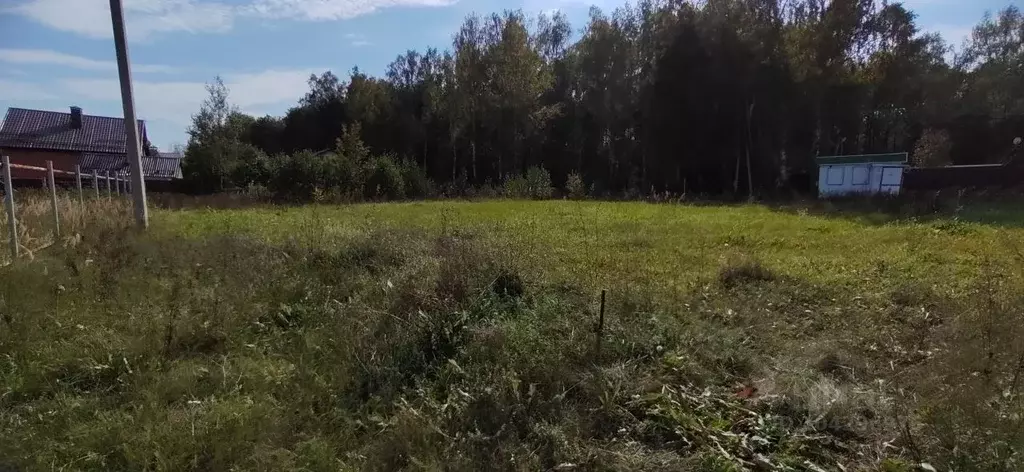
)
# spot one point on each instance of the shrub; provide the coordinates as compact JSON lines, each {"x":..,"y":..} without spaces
{"x":384,"y":179}
{"x":517,"y":187}
{"x":417,"y":184}
{"x":538,"y":181}
{"x":575,"y":187}
{"x":296,"y":176}
{"x":933,"y":149}
{"x":249,"y":166}
{"x":535,"y":184}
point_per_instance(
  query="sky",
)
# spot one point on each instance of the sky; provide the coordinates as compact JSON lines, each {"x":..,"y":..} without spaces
{"x":59,"y":53}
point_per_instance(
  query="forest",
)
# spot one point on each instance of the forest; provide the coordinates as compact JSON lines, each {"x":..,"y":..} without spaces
{"x":719,"y":97}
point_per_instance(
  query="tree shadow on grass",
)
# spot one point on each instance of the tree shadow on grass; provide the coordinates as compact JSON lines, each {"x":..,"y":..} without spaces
{"x":997,"y":210}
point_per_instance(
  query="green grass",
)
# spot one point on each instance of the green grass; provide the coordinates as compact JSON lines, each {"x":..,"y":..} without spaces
{"x":657,"y":246}
{"x":460,"y":336}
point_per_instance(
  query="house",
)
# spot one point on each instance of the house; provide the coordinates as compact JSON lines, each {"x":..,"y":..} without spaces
{"x":32,"y":137}
{"x":865,"y":174}
{"x":163,"y":166}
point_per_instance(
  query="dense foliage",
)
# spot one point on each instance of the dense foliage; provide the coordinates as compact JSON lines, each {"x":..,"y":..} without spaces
{"x":722,"y":97}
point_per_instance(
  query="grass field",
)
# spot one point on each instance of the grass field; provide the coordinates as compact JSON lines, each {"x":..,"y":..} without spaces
{"x":461,"y":336}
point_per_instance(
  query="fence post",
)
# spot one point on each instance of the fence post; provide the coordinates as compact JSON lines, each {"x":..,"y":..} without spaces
{"x":12,"y":223}
{"x":78,"y":182}
{"x":53,"y":199}
{"x":96,"y":183}
{"x":117,"y":184}
{"x":110,"y":191}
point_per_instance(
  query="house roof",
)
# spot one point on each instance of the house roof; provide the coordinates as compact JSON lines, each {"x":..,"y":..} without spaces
{"x":161,"y":167}
{"x":51,"y":130}
{"x":171,"y":154}
{"x":102,"y":162}
{"x":153,"y":167}
{"x":895,"y":158}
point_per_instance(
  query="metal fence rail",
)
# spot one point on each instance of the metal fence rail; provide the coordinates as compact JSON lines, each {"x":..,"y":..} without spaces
{"x":114,"y":185}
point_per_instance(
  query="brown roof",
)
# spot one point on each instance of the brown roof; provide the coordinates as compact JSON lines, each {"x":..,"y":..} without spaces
{"x":51,"y":130}
{"x":161,"y":167}
{"x":103,"y":162}
{"x":153,"y":167}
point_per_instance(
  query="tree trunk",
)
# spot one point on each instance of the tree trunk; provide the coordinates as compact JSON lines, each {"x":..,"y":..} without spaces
{"x":455,"y":157}
{"x":736,"y":175}
{"x":750,"y":144}
{"x":816,"y":144}
{"x":472,"y":150}
{"x":643,"y":160}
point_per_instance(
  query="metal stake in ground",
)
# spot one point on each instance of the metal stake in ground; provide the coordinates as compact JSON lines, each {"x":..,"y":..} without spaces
{"x":110,"y":190}
{"x":53,"y":199}
{"x":78,"y":182}
{"x":600,"y":325}
{"x":12,"y":223}
{"x":96,"y":182}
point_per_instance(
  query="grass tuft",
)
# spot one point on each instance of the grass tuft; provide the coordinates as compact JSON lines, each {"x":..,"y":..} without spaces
{"x":739,"y":270}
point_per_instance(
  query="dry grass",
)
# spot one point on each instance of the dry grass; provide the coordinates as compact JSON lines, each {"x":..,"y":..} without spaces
{"x":34,"y":212}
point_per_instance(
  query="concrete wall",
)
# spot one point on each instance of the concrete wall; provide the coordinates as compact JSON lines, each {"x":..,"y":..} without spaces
{"x":30,"y":157}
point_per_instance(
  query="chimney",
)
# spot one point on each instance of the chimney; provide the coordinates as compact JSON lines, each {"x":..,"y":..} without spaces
{"x":76,"y":117}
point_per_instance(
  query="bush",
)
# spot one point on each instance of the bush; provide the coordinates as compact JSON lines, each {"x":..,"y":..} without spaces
{"x":249,"y":166}
{"x":575,"y":187}
{"x":933,"y":149}
{"x":385,"y":179}
{"x":295,"y":176}
{"x":539,"y":182}
{"x":535,"y":184}
{"x":417,"y":184}
{"x":517,"y":187}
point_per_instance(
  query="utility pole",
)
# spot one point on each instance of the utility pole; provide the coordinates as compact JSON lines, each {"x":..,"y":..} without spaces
{"x":131,"y":125}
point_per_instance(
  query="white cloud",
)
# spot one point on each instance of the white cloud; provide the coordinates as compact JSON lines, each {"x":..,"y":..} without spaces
{"x":11,"y":90}
{"x":357,"y":40}
{"x":175,"y":102}
{"x":320,"y":10}
{"x":91,"y":18}
{"x":48,"y":57}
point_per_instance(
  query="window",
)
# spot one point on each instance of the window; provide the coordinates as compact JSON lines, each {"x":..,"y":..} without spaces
{"x":835,"y":175}
{"x":860,"y":175}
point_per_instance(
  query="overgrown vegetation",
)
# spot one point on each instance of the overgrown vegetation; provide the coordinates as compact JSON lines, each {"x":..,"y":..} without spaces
{"x":719,"y":97}
{"x":460,"y":336}
{"x":34,"y":213}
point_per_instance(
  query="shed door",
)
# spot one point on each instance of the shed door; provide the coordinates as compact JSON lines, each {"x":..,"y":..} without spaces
{"x":892,"y":175}
{"x":891,"y":179}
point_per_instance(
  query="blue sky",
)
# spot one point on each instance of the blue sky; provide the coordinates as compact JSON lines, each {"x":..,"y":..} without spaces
{"x":57,"y":53}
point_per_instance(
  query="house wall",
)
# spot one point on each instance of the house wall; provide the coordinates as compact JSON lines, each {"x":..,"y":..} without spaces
{"x":62,"y":160}
{"x":859,"y":178}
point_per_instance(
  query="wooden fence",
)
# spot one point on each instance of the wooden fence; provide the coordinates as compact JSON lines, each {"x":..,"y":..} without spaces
{"x":112,"y":185}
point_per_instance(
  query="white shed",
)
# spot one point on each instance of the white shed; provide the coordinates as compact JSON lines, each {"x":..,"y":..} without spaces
{"x":864,"y":174}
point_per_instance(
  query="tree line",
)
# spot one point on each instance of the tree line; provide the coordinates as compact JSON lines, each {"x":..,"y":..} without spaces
{"x":720,"y":97}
